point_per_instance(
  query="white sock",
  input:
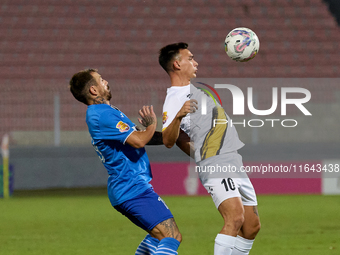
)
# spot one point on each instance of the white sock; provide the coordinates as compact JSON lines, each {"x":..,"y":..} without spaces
{"x":242,"y":246}
{"x":224,"y":244}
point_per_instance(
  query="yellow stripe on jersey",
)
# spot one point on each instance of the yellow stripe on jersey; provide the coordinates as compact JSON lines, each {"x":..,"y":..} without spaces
{"x":215,"y":137}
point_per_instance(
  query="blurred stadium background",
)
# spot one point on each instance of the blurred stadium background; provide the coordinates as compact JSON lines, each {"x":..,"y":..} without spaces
{"x":43,"y":43}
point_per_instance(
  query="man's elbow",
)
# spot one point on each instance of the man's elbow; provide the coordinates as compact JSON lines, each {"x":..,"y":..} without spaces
{"x":167,"y":143}
{"x":138,"y":144}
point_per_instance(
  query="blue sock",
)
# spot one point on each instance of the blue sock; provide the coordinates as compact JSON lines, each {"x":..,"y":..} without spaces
{"x":148,"y":246}
{"x":167,"y":246}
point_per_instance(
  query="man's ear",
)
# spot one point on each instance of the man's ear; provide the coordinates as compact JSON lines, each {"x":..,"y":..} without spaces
{"x":176,"y":65}
{"x":93,"y":90}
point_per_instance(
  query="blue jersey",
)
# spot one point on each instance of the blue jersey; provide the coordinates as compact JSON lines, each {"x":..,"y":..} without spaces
{"x":128,"y":168}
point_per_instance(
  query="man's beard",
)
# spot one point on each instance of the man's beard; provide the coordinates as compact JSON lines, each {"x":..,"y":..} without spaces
{"x":109,"y":96}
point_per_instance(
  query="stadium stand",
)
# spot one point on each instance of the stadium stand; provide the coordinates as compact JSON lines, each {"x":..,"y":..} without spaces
{"x":44,"y":42}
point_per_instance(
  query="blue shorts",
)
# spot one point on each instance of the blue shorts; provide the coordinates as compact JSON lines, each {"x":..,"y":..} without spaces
{"x":146,"y":210}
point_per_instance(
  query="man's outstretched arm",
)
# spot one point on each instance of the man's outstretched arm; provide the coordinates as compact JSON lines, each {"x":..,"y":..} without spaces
{"x":171,"y":133}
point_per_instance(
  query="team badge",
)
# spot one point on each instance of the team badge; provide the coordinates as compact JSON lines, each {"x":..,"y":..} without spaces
{"x":122,"y":127}
{"x":165,"y":117}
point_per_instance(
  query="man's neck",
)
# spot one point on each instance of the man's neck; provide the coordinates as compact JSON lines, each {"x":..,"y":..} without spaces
{"x":177,"y":81}
{"x":100,"y":100}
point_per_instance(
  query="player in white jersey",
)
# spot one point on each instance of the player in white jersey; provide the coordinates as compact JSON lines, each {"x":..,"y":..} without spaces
{"x":205,"y":135}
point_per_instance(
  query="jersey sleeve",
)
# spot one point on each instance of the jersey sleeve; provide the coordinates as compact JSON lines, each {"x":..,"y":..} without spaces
{"x":115,"y":127}
{"x":171,"y":107}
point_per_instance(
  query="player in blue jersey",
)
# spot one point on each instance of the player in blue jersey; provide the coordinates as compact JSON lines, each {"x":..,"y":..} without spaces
{"x":120,"y":146}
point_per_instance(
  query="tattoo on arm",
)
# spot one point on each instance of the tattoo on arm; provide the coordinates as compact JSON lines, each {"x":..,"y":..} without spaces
{"x":157,"y":139}
{"x":147,"y":121}
{"x":99,"y":100}
{"x":170,"y":228}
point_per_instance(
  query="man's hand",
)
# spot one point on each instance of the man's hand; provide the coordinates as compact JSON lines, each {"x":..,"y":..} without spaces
{"x":139,"y":139}
{"x":189,"y":106}
{"x":148,"y":117}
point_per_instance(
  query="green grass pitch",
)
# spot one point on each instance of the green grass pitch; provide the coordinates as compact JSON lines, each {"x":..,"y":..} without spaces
{"x":87,"y":224}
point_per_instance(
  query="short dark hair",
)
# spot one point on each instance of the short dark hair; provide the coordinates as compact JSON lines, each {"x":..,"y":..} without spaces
{"x":80,"y":82}
{"x":168,"y":53}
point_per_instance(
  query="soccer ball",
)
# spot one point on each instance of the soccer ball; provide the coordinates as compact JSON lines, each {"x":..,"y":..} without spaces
{"x":242,"y":44}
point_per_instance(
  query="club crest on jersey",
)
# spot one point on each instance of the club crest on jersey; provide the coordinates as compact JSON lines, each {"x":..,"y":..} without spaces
{"x":165,"y":117}
{"x":122,"y":127}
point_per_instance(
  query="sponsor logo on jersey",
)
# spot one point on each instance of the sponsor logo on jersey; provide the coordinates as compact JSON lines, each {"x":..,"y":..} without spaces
{"x":165,"y":117}
{"x":122,"y":127}
{"x":189,"y":95}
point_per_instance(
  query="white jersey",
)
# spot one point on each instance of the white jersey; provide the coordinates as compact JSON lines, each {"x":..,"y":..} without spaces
{"x":208,"y":130}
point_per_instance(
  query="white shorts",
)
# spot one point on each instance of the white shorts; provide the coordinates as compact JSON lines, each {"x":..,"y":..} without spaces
{"x":224,"y":185}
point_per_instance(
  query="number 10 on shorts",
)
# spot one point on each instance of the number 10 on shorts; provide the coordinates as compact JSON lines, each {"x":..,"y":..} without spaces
{"x":228,"y":184}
